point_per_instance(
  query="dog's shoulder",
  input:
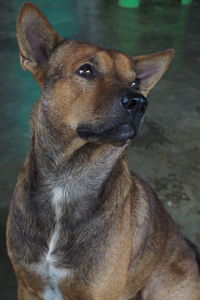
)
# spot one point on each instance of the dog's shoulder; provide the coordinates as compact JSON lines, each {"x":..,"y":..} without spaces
{"x":149,"y":214}
{"x":143,"y":192}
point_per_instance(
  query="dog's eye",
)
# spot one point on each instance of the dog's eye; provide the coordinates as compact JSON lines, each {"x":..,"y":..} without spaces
{"x":136,"y":83}
{"x":87,"y":71}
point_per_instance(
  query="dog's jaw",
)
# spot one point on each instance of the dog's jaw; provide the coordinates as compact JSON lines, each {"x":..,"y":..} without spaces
{"x":120,"y":133}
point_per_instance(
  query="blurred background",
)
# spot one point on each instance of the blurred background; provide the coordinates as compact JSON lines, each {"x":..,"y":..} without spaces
{"x":166,"y":153}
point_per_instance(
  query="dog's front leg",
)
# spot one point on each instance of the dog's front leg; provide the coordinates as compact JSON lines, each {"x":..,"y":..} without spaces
{"x":167,"y":287}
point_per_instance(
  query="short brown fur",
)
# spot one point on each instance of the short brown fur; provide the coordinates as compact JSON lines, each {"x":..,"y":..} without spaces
{"x":81,"y":225}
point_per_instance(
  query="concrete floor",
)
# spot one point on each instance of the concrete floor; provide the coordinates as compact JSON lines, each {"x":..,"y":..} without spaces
{"x":167,"y":152}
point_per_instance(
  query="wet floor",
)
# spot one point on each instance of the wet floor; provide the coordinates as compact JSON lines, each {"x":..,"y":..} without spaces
{"x":167,"y":152}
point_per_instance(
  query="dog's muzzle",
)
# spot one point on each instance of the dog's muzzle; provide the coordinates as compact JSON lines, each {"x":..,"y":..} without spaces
{"x":124,"y":121}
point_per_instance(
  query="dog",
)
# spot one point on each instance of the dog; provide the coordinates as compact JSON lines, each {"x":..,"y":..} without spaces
{"x":81,"y":226}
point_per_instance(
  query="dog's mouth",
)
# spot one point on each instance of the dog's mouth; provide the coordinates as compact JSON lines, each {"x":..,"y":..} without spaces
{"x":120,"y":133}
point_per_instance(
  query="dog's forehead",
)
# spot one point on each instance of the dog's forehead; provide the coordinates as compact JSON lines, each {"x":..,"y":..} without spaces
{"x":123,"y":66}
{"x":71,"y":54}
{"x":114,"y":61}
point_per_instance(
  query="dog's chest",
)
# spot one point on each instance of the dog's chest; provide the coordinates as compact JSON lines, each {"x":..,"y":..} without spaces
{"x":47,"y":268}
{"x":68,"y":197}
{"x":51,"y":277}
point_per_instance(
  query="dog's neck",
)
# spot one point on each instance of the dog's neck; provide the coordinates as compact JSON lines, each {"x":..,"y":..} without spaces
{"x":71,"y":170}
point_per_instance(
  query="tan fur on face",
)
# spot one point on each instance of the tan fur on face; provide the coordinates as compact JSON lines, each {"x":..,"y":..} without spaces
{"x":124,"y":68}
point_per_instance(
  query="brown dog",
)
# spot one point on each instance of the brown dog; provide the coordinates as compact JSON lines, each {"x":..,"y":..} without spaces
{"x":81,"y":226}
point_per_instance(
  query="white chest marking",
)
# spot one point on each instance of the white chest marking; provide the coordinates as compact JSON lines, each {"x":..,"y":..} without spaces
{"x":57,"y":198}
{"x":50,"y":274}
{"x":52,"y":294}
{"x":51,"y":277}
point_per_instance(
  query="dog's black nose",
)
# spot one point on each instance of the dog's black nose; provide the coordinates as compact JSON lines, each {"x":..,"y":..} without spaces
{"x":134,"y":102}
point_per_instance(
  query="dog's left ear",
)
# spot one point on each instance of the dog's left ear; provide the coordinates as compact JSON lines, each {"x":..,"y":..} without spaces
{"x":150,"y":68}
{"x":36,"y":39}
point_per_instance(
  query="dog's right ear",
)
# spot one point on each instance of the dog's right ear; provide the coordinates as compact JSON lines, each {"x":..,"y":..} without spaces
{"x":36,"y":39}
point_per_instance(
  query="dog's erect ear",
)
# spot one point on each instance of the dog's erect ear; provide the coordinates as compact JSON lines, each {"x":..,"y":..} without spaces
{"x":150,"y":68}
{"x":36,"y":39}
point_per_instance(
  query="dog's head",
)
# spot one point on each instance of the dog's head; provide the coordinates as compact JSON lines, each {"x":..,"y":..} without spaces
{"x":99,"y":94}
